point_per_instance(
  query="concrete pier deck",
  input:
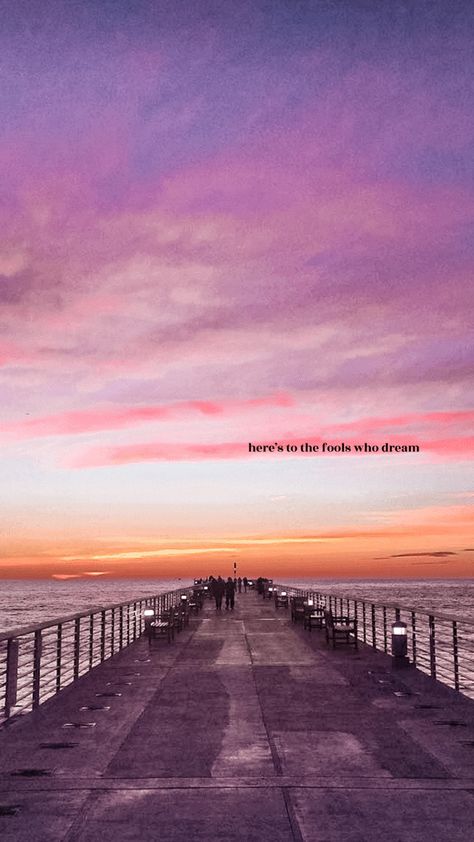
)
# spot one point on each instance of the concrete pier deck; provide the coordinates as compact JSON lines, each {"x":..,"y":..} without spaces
{"x":246,"y":728}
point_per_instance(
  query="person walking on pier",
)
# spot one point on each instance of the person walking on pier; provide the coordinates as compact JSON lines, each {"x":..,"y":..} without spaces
{"x":239,"y":583}
{"x":229,"y":594}
{"x":218,"y":590}
{"x":245,"y":581}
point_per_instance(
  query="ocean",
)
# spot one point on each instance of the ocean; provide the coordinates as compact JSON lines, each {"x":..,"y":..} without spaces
{"x":27,"y":602}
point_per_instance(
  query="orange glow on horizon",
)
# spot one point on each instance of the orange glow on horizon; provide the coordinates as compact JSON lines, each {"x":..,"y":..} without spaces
{"x":428,"y":543}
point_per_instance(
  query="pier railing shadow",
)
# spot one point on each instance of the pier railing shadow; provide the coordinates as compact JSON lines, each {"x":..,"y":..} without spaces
{"x":438,"y":644}
{"x":38,"y":661}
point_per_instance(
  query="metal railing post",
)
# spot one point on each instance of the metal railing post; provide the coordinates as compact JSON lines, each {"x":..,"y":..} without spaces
{"x":37,"y":649}
{"x":432,"y":627}
{"x":59,"y":642}
{"x":455,"y":655}
{"x":11,"y":675}
{"x":91,"y":641}
{"x":102,"y":635}
{"x":413,"y":637}
{"x":374,"y":630}
{"x":77,"y":646}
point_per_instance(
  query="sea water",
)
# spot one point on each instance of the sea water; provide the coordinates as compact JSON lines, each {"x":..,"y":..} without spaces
{"x":27,"y":602}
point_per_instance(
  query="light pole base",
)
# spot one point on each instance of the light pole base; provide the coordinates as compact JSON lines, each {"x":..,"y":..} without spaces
{"x":400,"y":662}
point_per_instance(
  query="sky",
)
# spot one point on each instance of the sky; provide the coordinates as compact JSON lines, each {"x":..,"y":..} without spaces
{"x":227,"y":224}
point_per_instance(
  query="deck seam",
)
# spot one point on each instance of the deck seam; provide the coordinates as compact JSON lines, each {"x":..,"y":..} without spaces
{"x":273,"y":749}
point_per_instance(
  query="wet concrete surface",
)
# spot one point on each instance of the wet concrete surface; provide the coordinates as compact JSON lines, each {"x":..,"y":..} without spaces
{"x":245,"y":728}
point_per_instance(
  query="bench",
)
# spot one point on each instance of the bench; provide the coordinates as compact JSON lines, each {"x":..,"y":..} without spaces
{"x":281,"y":600}
{"x":297,"y":608}
{"x":162,"y":626}
{"x":340,"y":630}
{"x":313,"y":616}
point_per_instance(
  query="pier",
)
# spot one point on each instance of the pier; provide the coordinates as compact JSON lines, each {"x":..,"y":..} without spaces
{"x":246,"y":727}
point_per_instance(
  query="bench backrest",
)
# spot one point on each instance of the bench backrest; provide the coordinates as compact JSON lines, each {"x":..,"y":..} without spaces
{"x":298,"y":601}
{"x":329,"y":619}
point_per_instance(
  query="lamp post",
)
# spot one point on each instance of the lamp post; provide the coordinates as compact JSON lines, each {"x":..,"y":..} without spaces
{"x":399,"y":644}
{"x":149,"y":616}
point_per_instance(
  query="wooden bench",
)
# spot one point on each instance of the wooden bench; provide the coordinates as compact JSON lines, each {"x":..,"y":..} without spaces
{"x":162,"y":626}
{"x":297,"y":608}
{"x":313,"y":617}
{"x":281,"y":600}
{"x":340,"y":630}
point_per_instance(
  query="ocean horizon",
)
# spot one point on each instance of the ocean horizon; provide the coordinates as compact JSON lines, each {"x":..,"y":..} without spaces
{"x":25,"y":602}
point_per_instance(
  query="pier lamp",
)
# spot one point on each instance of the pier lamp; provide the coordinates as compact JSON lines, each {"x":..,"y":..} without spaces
{"x":399,"y":644}
{"x":149,"y":616}
{"x":283,"y":593}
{"x":310,"y":602}
{"x":184,"y":598}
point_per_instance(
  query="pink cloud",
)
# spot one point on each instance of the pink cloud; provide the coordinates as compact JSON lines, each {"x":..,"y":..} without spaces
{"x":462,"y":447}
{"x":159,"y":452}
{"x":436,"y":433}
{"x":85,"y":421}
{"x":174,"y":452}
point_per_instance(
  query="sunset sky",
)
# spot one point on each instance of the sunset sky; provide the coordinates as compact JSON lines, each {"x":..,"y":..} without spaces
{"x":234,"y":222}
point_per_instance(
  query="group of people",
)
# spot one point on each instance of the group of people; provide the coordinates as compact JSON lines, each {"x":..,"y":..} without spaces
{"x":220,"y":587}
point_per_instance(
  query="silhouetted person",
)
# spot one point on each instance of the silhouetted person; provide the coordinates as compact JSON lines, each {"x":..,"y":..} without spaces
{"x":245,"y":581}
{"x":229,"y":594}
{"x":260,"y":585}
{"x":218,"y":588}
{"x":239,"y":583}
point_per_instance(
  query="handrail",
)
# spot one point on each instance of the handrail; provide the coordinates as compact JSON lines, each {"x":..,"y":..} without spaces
{"x":95,"y":609}
{"x":39,"y":660}
{"x":393,"y":605}
{"x":438,"y":644}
